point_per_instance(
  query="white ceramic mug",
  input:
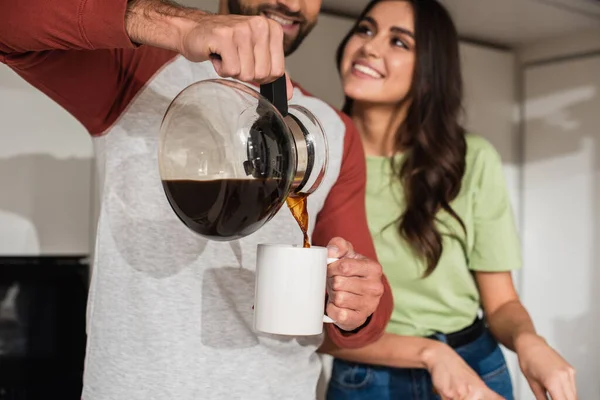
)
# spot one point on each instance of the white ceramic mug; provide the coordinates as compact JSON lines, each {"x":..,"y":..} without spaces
{"x":290,"y":289}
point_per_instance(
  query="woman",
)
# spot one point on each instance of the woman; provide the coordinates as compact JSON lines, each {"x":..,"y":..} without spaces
{"x":441,"y":219}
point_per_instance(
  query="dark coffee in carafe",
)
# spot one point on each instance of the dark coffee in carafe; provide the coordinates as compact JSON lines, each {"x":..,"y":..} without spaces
{"x":224,"y":209}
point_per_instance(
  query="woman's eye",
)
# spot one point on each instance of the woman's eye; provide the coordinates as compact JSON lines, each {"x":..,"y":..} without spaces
{"x":399,"y":43}
{"x":363,"y":30}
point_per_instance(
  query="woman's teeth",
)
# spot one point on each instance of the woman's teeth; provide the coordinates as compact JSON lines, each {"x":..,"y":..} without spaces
{"x":367,"y":71}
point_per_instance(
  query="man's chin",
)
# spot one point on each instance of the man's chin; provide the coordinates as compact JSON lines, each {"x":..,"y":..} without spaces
{"x":290,"y":46}
{"x":288,"y":49}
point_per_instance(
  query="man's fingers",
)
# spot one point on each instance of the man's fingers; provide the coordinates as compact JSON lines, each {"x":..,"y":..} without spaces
{"x":358,"y":286}
{"x":245,"y":49}
{"x":276,"y":47}
{"x":223,"y":51}
{"x":250,"y":48}
{"x":347,"y":300}
{"x":349,"y":267}
{"x":343,"y":317}
{"x":229,"y":63}
{"x":262,"y":50}
{"x":340,"y":248}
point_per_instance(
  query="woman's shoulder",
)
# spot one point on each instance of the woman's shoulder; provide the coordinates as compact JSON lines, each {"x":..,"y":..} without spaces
{"x":480,"y":151}
{"x":478,"y":146}
{"x":482,"y":158}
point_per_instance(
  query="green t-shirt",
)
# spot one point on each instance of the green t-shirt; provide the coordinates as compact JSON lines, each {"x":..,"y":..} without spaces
{"x":448,"y":299}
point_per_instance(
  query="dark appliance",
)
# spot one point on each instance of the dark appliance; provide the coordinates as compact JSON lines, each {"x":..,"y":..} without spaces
{"x":42,"y":326}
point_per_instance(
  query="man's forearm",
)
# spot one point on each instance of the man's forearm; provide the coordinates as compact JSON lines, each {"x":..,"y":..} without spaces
{"x":160,"y":23}
{"x":28,"y":26}
{"x":510,"y":324}
{"x":93,"y":24}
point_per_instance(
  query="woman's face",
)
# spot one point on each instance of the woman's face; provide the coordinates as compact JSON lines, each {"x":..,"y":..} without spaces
{"x":378,"y":61}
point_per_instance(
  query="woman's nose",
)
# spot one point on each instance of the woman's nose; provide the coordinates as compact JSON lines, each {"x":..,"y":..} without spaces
{"x":372,"y":48}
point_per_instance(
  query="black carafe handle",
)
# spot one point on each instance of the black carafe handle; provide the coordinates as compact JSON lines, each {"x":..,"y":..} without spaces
{"x":276,"y":93}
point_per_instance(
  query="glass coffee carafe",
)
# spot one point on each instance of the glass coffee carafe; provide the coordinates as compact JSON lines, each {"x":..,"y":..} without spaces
{"x":230,"y":157}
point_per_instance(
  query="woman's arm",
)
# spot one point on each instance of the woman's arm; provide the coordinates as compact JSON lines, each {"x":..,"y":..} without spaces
{"x":450,"y":374}
{"x":390,"y":350}
{"x":545,"y":370}
{"x":508,"y":320}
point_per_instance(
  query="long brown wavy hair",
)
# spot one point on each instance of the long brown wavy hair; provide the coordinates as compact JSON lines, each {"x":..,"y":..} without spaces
{"x":431,"y":137}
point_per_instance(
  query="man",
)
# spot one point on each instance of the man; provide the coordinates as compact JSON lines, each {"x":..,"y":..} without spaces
{"x":169,"y":314}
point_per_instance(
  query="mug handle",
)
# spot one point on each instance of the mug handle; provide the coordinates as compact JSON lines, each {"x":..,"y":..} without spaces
{"x":326,"y":319}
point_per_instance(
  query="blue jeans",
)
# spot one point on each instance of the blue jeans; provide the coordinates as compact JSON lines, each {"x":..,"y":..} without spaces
{"x":352,"y":381}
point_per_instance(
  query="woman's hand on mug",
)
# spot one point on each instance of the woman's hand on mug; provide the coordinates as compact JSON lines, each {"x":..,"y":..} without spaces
{"x":354,"y":286}
{"x":452,"y":378}
{"x":546,"y":371}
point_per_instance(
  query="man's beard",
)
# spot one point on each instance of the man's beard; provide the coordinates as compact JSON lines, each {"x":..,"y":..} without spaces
{"x":289,"y":45}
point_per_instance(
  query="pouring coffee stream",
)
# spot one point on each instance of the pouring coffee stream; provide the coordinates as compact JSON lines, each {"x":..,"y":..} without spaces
{"x":229,"y":157}
{"x":276,"y":93}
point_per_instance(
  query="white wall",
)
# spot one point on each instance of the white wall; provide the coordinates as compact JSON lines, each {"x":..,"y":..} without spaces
{"x":559,"y":195}
{"x":562,"y":211}
{"x":45,"y":174}
{"x":566,"y":45}
{"x":313,"y":64}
